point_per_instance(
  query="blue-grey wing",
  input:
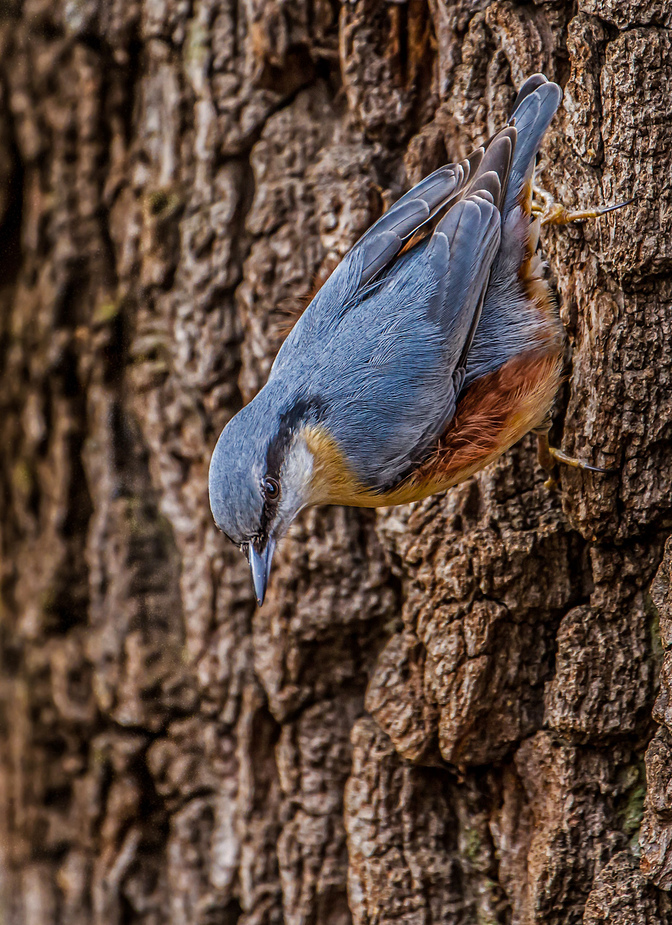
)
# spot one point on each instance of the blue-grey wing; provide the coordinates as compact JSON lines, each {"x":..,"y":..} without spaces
{"x":378,"y":247}
{"x":392,"y":374}
{"x":375,"y":253}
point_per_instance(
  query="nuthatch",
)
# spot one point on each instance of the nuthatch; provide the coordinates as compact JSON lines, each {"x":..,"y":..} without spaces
{"x":432,"y":348}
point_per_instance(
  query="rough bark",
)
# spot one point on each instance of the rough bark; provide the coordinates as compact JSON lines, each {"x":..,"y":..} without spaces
{"x":458,"y":712}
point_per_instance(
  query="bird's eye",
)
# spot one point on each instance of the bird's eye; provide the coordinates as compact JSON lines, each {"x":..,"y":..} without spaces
{"x":271,"y":488}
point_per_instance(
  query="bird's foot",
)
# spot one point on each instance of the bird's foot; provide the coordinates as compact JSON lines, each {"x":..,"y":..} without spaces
{"x":549,"y":457}
{"x":550,"y":212}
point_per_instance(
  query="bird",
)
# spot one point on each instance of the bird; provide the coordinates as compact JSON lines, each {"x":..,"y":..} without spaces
{"x":433,"y":347}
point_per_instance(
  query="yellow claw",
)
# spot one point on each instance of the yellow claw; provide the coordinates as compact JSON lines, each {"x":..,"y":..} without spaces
{"x":554,"y":213}
{"x":549,"y":456}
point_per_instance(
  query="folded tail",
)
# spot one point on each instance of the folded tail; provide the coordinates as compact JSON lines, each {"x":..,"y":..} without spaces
{"x":535,"y":106}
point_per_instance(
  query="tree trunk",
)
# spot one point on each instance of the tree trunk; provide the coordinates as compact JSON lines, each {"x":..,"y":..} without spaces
{"x":458,"y":712}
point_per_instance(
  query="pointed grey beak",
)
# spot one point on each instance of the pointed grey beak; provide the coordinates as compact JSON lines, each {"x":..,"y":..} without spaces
{"x":260,"y":566}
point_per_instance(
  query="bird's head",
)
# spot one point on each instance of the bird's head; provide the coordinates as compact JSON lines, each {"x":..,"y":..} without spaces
{"x":260,"y":477}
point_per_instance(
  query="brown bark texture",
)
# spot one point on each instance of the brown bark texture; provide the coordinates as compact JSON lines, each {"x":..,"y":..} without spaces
{"x":458,"y":712}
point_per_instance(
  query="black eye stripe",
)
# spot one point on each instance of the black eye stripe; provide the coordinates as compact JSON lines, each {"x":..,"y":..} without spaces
{"x":301,"y":411}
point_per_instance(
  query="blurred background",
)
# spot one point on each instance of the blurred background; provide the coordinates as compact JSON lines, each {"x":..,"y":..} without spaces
{"x":452,"y":713}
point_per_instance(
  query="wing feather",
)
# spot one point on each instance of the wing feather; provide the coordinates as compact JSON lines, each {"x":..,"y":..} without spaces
{"x":408,"y":215}
{"x":410,"y":345}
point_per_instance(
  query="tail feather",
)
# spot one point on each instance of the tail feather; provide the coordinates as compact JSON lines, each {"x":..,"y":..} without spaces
{"x":536,"y":104}
{"x":517,"y":313}
{"x":531,"y":84}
